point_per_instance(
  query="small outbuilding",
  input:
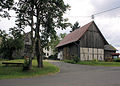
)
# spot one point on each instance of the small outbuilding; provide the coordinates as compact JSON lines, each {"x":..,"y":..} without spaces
{"x":109,"y":50}
{"x":87,"y":43}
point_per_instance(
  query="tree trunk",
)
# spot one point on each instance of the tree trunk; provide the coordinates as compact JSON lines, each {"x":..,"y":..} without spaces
{"x":38,"y":47}
{"x":39,"y":54}
{"x":32,"y":40}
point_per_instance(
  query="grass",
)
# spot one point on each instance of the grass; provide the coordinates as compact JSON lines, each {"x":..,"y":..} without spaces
{"x":69,"y":61}
{"x":16,"y":72}
{"x":95,"y":63}
{"x":109,"y":64}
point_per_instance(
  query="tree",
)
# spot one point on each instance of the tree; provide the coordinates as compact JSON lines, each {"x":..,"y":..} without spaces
{"x":10,"y":42}
{"x":43,"y":16}
{"x":55,"y":40}
{"x":53,"y":43}
{"x":75,"y":26}
{"x":62,"y":35}
{"x":4,"y":6}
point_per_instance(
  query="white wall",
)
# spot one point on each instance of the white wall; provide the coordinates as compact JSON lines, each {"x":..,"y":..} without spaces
{"x":48,"y":52}
{"x":91,"y":54}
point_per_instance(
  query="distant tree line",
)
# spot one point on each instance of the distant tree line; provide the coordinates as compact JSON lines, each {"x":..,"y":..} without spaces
{"x":10,"y":43}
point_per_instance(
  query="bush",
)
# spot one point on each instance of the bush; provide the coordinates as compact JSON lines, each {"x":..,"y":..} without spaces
{"x":116,"y":60}
{"x":27,"y":63}
{"x":95,"y":60}
{"x":69,"y":61}
{"x":75,"y":59}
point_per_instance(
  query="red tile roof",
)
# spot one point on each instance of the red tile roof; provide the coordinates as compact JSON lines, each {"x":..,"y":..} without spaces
{"x":75,"y":35}
{"x":115,"y":54}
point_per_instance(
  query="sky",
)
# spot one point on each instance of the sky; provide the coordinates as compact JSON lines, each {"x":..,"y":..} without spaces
{"x":81,"y":11}
{"x":107,"y":22}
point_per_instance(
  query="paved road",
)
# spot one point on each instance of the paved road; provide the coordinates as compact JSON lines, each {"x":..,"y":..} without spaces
{"x":72,"y":75}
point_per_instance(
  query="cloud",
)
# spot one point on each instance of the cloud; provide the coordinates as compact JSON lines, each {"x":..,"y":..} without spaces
{"x":108,"y":23}
{"x":110,"y":27}
{"x":103,"y":5}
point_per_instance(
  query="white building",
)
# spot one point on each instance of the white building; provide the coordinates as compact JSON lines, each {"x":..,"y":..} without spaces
{"x":47,"y":51}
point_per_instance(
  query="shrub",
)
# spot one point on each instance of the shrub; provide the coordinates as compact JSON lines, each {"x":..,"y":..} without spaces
{"x":27,"y":63}
{"x":95,"y":60}
{"x":116,"y":60}
{"x":69,"y":61}
{"x":75,"y":58}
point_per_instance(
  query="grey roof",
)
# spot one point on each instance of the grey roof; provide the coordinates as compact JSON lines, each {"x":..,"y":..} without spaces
{"x":110,"y":47}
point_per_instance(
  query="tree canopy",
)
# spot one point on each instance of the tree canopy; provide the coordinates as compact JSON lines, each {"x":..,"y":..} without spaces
{"x":10,"y":43}
{"x":42,"y":16}
{"x":75,"y":26}
{"x":55,"y":40}
{"x":5,"y":5}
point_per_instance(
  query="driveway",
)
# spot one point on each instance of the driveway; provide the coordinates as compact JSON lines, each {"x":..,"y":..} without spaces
{"x":72,"y":75}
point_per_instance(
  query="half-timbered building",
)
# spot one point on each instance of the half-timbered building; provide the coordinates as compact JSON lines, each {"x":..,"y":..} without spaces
{"x":87,"y":43}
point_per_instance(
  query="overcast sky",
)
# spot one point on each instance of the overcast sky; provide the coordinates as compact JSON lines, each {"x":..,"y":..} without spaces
{"x":81,"y":11}
{"x":107,"y":22}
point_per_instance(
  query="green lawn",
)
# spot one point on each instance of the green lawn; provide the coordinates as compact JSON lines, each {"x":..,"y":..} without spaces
{"x":16,"y":72}
{"x":94,"y":63}
{"x":110,"y":64}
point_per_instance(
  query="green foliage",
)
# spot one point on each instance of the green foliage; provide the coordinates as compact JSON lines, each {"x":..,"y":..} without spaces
{"x":94,"y":63}
{"x":10,"y":43}
{"x":69,"y":61}
{"x":76,"y":59}
{"x":4,"y":6}
{"x":17,"y":72}
{"x":55,"y":40}
{"x":112,"y":64}
{"x":75,"y":26}
{"x":62,"y":35}
{"x":116,"y":59}
{"x":53,"y":43}
{"x":48,"y":14}
{"x":95,"y":60}
{"x":26,"y":62}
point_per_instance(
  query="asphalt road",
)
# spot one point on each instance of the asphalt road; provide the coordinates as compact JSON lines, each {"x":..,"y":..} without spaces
{"x":72,"y":75}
